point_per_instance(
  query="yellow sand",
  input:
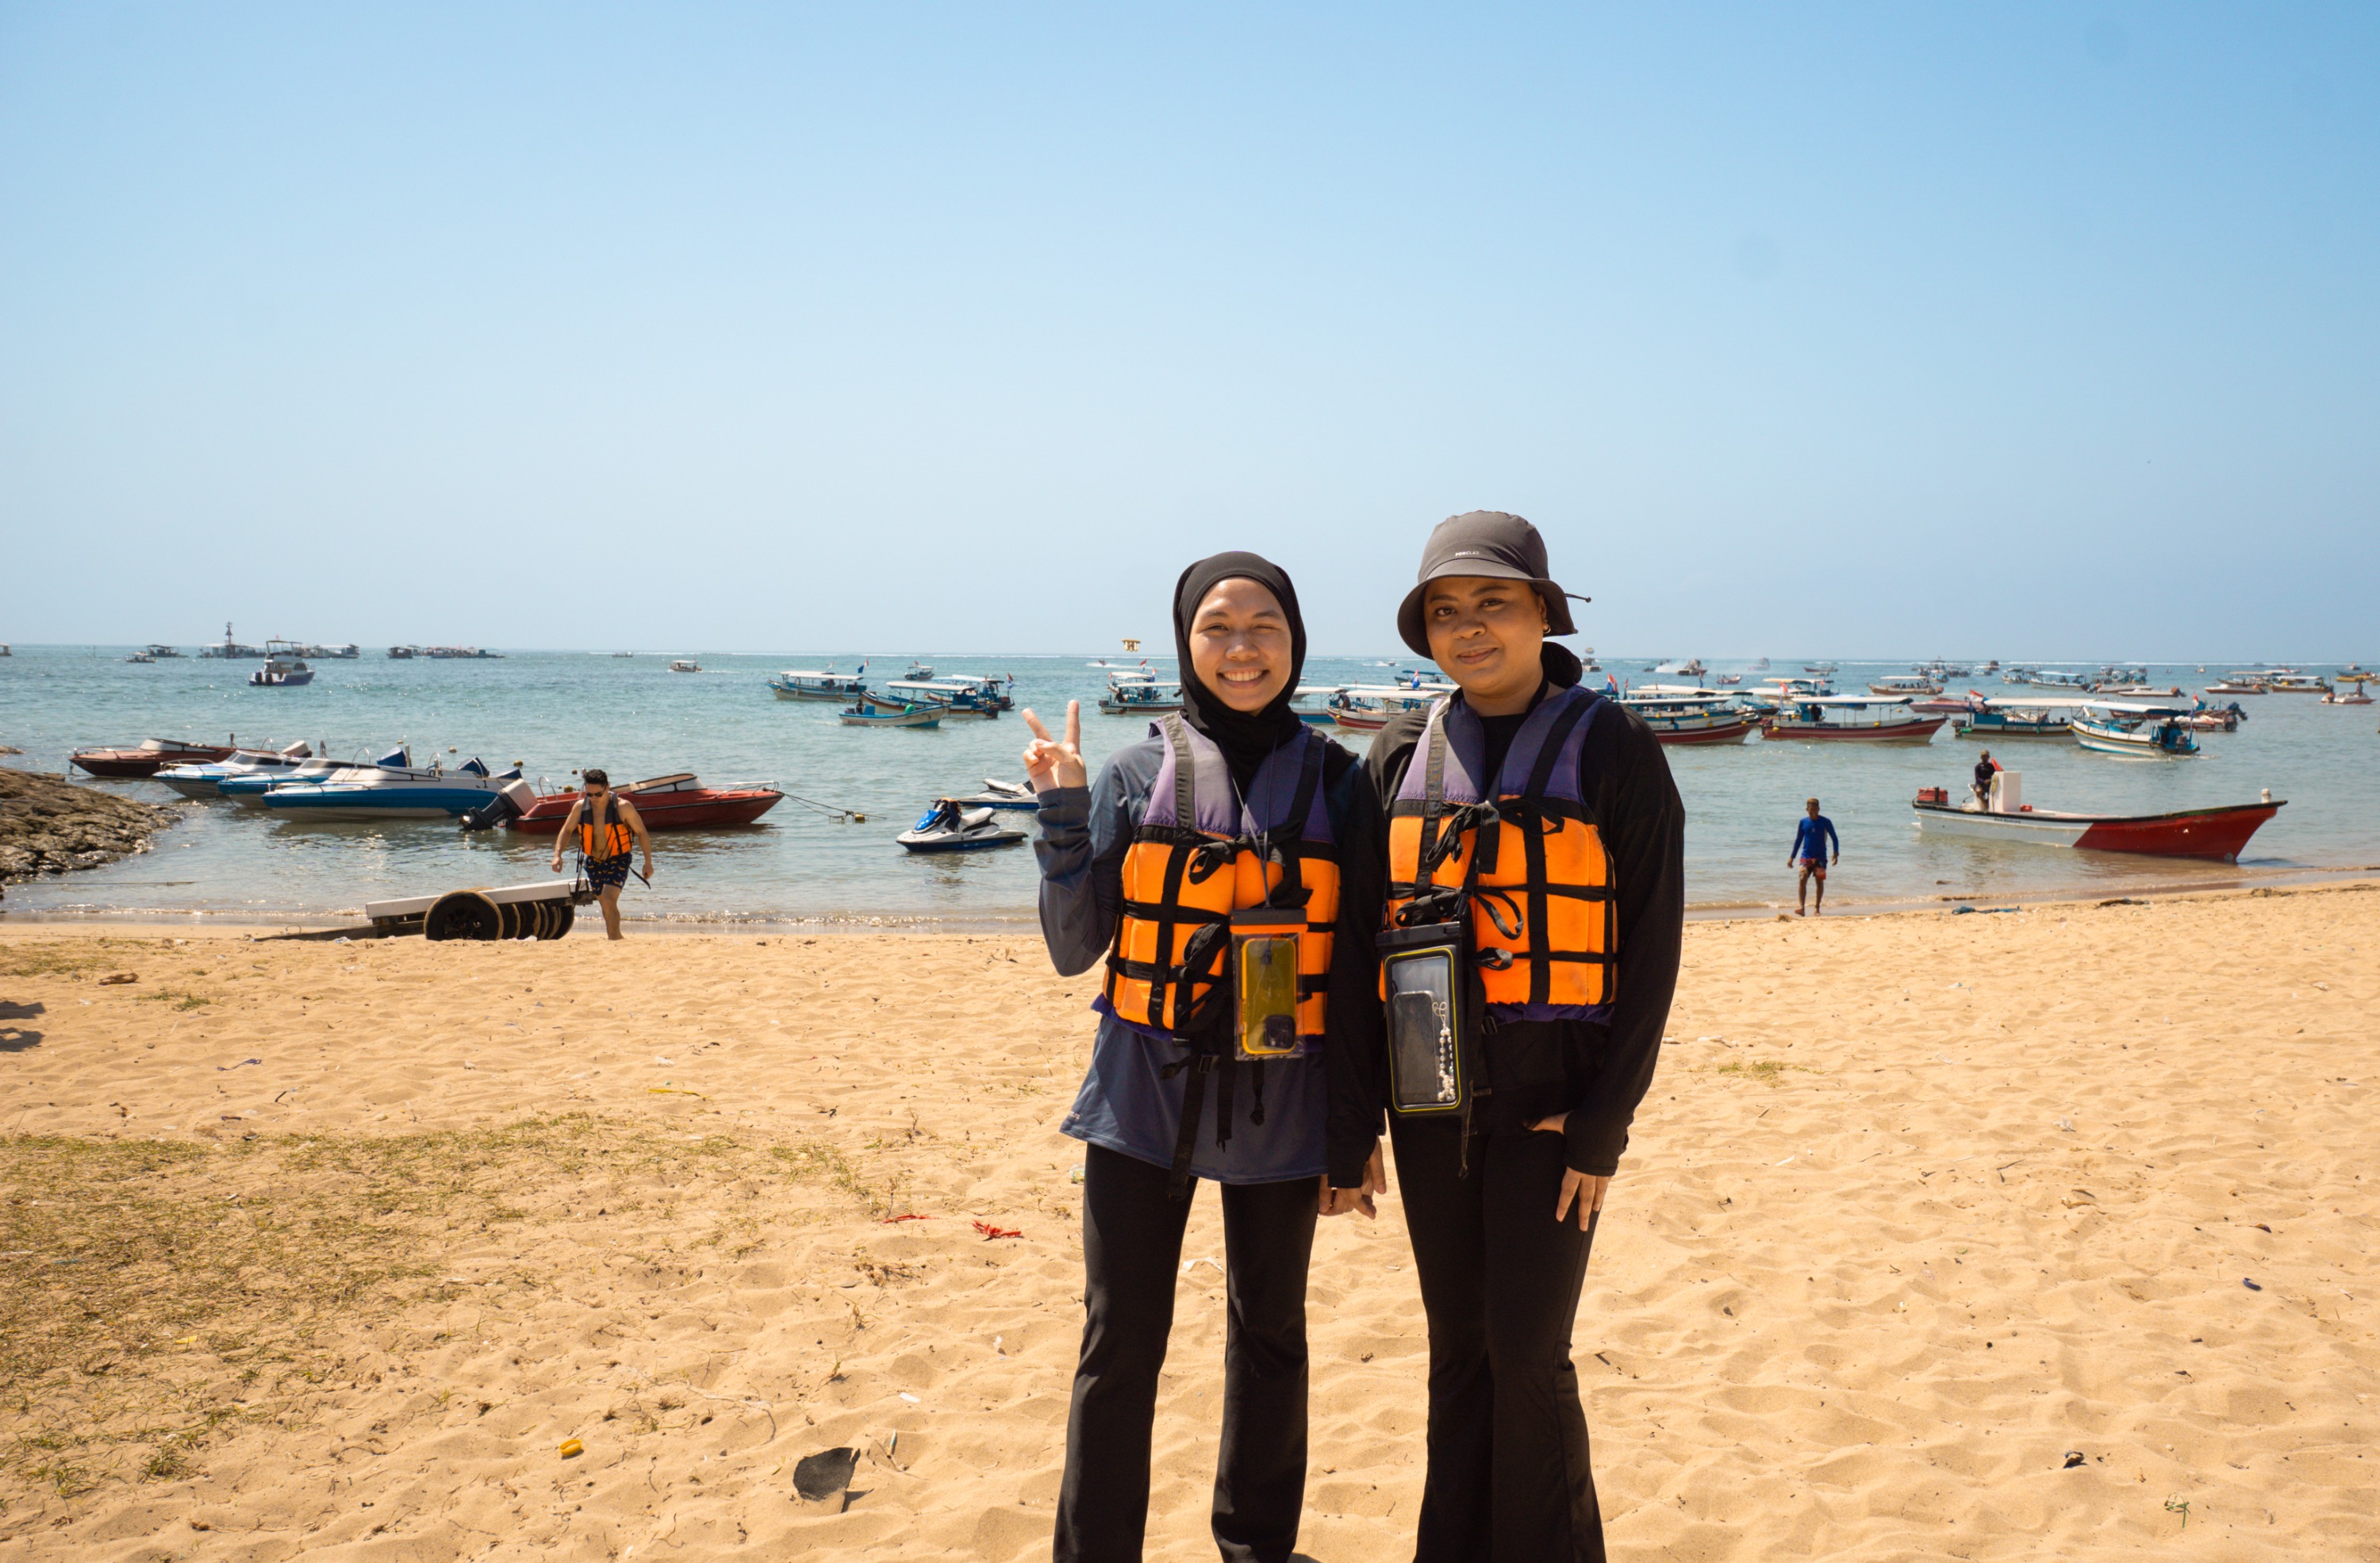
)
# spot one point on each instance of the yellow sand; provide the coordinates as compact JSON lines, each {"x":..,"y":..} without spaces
{"x":1916,"y":1206}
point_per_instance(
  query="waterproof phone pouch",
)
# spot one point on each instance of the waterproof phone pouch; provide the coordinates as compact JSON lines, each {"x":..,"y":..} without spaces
{"x":1264,"y":963}
{"x":1423,"y":971}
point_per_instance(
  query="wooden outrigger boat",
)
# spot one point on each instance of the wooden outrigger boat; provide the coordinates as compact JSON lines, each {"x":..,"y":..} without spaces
{"x":2218,"y":833}
{"x":2136,"y":730}
{"x":1910,"y":685}
{"x":863,"y":714}
{"x":1702,"y":717}
{"x":820,"y":684}
{"x":1868,"y":718}
{"x":2019,"y":716}
{"x":1135,"y":697}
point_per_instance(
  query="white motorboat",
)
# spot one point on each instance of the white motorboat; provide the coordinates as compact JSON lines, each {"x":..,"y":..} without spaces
{"x":207,"y":781}
{"x":391,"y":793}
{"x":686,"y":665}
{"x":283,"y":669}
{"x":997,"y":794}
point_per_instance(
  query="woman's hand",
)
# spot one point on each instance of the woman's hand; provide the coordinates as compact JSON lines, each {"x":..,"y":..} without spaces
{"x":1583,"y":1187}
{"x":1339,"y":1201}
{"x":1050,"y":763}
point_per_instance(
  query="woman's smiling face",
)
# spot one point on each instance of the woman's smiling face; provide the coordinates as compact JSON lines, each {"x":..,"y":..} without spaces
{"x":1240,"y":644}
{"x":1486,"y":633}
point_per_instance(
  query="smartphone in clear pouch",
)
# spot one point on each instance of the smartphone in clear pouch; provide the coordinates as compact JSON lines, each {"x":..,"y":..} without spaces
{"x":1264,"y":966}
{"x":1423,"y":971}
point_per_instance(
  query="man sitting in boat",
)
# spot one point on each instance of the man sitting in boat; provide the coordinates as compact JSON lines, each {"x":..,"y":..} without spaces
{"x":610,"y":830}
{"x":1985,"y":769}
{"x":1810,"y":841}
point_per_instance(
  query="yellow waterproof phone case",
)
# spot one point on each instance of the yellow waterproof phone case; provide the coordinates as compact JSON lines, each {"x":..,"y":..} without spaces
{"x":1264,"y":957}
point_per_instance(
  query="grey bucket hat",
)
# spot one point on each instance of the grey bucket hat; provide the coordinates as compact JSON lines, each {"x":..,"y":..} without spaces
{"x":1483,"y":542}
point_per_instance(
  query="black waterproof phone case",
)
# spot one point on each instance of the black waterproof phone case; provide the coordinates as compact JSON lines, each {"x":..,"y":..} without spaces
{"x":1424,"y":974}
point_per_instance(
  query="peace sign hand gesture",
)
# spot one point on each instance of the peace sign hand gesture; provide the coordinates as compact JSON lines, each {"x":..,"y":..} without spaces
{"x":1050,"y":763}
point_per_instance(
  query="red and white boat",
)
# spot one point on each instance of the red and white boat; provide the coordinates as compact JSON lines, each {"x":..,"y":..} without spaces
{"x":153,"y":756}
{"x":1871,"y":719}
{"x":2217,"y":833}
{"x":667,"y":803}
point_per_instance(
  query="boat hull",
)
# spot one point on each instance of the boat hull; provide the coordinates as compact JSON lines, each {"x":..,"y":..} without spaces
{"x":664,"y":811}
{"x":1778,"y":731}
{"x":970,"y":844}
{"x":2217,"y":833}
{"x":121,"y":763}
{"x":2131,"y":748}
{"x":2057,"y":730}
{"x":1719,"y":733}
{"x":893,"y":719}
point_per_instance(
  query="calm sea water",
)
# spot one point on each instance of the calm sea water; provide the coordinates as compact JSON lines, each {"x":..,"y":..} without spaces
{"x":559,"y":711}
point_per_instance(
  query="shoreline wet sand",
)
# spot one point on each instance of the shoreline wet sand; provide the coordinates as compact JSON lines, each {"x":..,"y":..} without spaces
{"x":1918,"y":1209}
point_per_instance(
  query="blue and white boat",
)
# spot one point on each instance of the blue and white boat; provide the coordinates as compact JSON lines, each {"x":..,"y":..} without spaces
{"x":207,"y":781}
{"x":322,"y":768}
{"x":283,"y":669}
{"x":386,"y":792}
{"x":997,"y":794}
{"x":2140,"y":732}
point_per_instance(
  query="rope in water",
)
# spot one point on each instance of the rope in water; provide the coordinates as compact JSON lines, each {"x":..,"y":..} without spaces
{"x":851,"y":813}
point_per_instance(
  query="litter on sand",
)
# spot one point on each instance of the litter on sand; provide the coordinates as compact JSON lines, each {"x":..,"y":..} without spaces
{"x":826,"y":1475}
{"x":2250,"y":1284}
{"x":991,"y":1232}
{"x":908,"y":1216}
{"x":572,"y":1448}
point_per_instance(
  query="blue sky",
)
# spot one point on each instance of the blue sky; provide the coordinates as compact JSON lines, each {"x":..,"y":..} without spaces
{"x":2020,"y":330}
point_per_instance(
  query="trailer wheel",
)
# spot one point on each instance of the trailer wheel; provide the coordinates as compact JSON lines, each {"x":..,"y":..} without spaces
{"x":463,"y":914}
{"x":511,"y":920}
{"x":533,"y":916}
{"x":561,"y":916}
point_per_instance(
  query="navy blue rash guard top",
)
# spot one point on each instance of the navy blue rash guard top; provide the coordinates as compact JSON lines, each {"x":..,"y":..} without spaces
{"x":1811,"y":840}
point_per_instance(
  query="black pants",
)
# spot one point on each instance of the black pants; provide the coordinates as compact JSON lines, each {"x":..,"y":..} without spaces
{"x":1509,"y":1480}
{"x":1131,"y":1257}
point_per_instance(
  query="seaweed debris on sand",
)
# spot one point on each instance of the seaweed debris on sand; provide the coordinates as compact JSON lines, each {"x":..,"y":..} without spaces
{"x":48,"y":825}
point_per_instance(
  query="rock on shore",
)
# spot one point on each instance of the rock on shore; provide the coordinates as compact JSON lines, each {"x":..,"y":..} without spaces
{"x":48,"y":825}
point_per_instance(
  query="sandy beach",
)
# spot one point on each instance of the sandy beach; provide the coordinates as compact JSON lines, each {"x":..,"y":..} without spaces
{"x":2043,"y":1234}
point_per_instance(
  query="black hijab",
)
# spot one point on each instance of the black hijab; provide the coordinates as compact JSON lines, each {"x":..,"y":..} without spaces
{"x":1245,"y":737}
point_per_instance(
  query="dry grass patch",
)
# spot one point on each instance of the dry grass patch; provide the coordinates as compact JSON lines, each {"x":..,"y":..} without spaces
{"x":164,"y":1289}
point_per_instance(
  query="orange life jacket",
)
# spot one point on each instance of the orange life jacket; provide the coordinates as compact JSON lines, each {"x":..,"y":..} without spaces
{"x":1523,"y":861}
{"x":1200,"y":853}
{"x":613,"y":839}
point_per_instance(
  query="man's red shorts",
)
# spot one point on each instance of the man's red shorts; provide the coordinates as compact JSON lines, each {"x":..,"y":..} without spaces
{"x":1815,"y":866}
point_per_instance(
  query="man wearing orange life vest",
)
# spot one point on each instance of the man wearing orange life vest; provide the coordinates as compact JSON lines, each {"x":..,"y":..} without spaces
{"x":1535,"y":904}
{"x":609,"y":828}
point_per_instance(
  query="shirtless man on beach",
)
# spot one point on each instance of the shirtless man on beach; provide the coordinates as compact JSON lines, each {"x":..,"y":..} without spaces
{"x":610,"y":830}
{"x":1810,"y":839}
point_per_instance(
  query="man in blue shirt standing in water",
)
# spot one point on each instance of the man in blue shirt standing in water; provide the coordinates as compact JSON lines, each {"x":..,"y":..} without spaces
{"x":1810,"y":854}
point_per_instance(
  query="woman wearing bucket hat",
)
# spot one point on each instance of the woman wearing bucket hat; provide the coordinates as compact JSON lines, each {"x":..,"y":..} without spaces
{"x":1226,"y":870}
{"x":1530,"y":950}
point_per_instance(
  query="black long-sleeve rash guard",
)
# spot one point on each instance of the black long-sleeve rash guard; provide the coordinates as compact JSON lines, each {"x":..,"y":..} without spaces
{"x":1597,"y":1073}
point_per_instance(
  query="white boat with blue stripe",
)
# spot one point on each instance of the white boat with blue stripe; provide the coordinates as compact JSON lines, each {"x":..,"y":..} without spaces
{"x":392,"y":792}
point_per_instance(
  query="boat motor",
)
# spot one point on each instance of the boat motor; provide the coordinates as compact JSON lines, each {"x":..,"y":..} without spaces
{"x":513,"y":800}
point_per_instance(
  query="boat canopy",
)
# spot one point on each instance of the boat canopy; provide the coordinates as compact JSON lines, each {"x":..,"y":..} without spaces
{"x":2141,"y":708}
{"x":1850,"y":700}
{"x":2037,"y":702}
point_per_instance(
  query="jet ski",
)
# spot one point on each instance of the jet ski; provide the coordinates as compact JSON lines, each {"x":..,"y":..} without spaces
{"x":997,"y":794}
{"x":946,"y":826}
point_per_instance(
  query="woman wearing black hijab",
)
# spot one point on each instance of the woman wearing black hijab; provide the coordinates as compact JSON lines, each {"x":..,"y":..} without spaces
{"x":1163,"y":1106}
